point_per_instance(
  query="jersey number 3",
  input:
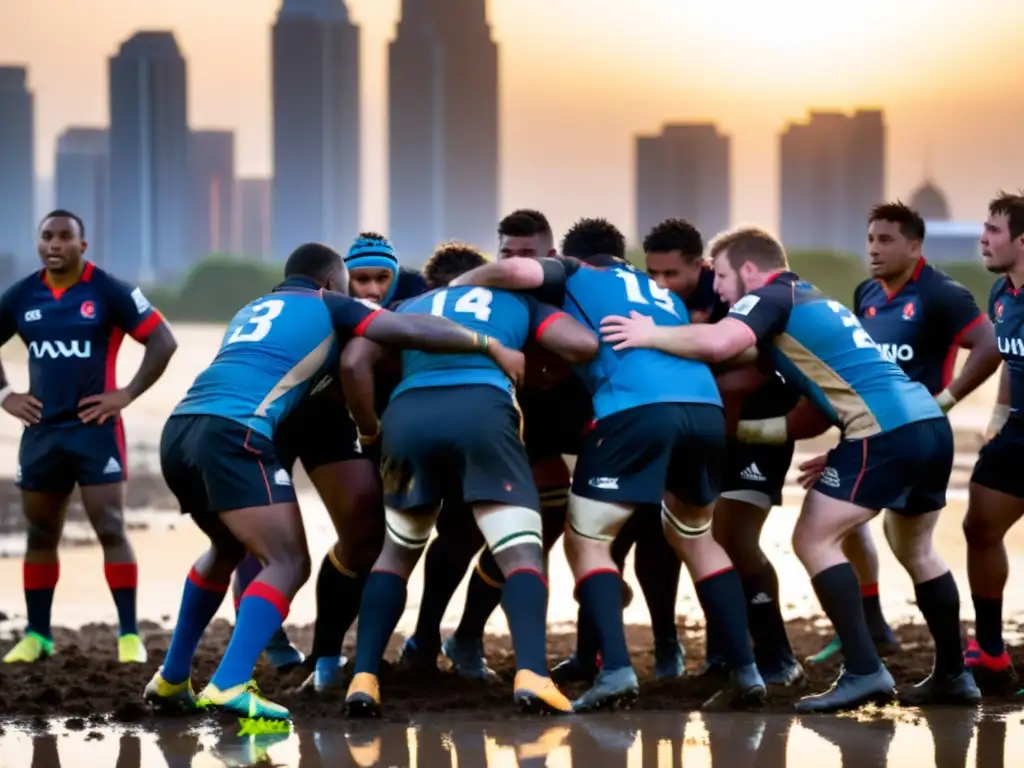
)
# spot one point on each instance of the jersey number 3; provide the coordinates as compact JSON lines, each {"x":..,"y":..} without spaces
{"x":260,"y":323}
{"x":476,"y":302}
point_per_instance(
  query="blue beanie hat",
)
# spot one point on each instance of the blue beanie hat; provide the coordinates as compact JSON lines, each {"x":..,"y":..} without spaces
{"x":375,"y":253}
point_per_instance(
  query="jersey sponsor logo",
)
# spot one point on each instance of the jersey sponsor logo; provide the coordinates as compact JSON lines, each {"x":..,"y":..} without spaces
{"x":1008,"y":346}
{"x":281,"y":477}
{"x":745,"y":305}
{"x":57,"y":349}
{"x":870,"y":311}
{"x":141,"y":302}
{"x":753,"y":474}
{"x":88,"y":310}
{"x":604,"y":483}
{"x":113,"y":467}
{"x":33,"y":314}
{"x":897,"y":353}
{"x":908,"y":311}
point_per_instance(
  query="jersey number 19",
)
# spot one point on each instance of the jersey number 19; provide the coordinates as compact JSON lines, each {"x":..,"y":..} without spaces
{"x":660,"y":297}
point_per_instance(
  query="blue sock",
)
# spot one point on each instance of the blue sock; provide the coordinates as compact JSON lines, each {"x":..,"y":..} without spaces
{"x":381,"y":608}
{"x":260,"y":614}
{"x":199,"y":603}
{"x":600,"y":596}
{"x":245,"y":573}
{"x":525,"y":602}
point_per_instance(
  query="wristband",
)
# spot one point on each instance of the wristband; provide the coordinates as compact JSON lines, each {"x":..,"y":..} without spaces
{"x":482,"y":341}
{"x":5,"y":393}
{"x":763,"y":431}
{"x":1000,"y":415}
{"x":368,"y":439}
{"x":945,"y":400}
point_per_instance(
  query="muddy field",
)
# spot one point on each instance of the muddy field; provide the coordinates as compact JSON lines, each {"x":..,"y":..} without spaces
{"x":84,"y":680}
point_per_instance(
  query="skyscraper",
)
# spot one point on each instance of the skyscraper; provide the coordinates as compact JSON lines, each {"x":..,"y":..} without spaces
{"x":832,"y":170}
{"x":82,"y":183}
{"x":315,"y":192}
{"x":253,"y":199}
{"x":443,"y":127}
{"x":684,"y":172}
{"x":149,"y":140}
{"x":17,"y":167}
{"x":211,"y":192}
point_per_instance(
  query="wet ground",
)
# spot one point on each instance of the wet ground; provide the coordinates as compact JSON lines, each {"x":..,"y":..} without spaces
{"x":945,"y":738}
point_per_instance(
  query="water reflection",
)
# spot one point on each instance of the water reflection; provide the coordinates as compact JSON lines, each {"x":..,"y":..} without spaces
{"x":947,"y":738}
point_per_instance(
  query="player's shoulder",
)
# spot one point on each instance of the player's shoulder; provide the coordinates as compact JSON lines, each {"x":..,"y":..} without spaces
{"x":408,"y":283}
{"x":933,"y":281}
{"x":999,"y":288}
{"x":21,"y":287}
{"x":867,"y":290}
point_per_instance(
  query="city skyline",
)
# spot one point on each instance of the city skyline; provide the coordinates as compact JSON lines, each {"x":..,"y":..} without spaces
{"x":957,"y":117}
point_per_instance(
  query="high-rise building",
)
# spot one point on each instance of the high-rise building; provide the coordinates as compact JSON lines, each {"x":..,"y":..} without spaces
{"x":832,"y":171}
{"x":315,"y":191}
{"x":211,"y":192}
{"x":253,"y":198}
{"x":149,"y":170}
{"x":82,"y":184}
{"x":684,"y":172}
{"x":17,"y":167}
{"x":443,"y":127}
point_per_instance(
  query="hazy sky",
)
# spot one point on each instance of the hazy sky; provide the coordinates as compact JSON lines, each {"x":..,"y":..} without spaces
{"x":581,"y":77}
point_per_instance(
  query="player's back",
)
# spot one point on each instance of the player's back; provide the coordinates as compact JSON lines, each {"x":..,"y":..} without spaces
{"x":619,"y":380}
{"x":503,"y":315}
{"x":824,"y":347}
{"x":272,"y":350}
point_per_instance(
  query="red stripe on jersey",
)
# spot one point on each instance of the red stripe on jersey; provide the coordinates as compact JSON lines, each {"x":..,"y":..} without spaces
{"x":365,"y":323}
{"x":113,"y":347}
{"x":950,"y":362}
{"x":147,"y":326}
{"x":546,"y":323}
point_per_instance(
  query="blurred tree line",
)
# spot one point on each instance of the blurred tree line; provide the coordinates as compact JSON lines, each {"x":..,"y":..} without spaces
{"x":219,"y":285}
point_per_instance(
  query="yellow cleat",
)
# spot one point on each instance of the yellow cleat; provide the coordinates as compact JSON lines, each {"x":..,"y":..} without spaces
{"x":130,"y":650}
{"x":170,"y":698}
{"x":535,"y":694}
{"x":31,"y":648}
{"x":363,"y":698}
{"x":243,"y":700}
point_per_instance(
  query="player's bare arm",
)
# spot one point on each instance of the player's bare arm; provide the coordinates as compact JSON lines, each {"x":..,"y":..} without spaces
{"x":1001,"y":410}
{"x":709,"y":343}
{"x":982,"y":362}
{"x":514,"y":274}
{"x":160,"y":348}
{"x":21,"y":405}
{"x":358,"y":360}
{"x":568,"y":338}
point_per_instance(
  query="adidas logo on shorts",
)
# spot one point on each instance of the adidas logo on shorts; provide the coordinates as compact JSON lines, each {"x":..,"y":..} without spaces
{"x":113,"y":467}
{"x":281,"y":477}
{"x":753,"y":474}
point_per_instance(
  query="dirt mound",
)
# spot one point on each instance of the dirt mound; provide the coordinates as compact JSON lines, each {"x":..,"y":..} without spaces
{"x":84,"y":678}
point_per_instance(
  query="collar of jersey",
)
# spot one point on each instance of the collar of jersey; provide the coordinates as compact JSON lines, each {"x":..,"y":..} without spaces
{"x":603,"y":260}
{"x":291,"y":283}
{"x":918,"y":268}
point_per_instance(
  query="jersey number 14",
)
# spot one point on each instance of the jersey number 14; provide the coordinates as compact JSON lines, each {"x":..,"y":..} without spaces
{"x":259,"y":323}
{"x":476,"y":302}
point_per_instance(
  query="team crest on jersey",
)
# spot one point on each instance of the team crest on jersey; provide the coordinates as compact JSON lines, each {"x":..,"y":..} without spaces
{"x":908,"y":311}
{"x":88,"y":310}
{"x":999,"y":312}
{"x":871,"y":311}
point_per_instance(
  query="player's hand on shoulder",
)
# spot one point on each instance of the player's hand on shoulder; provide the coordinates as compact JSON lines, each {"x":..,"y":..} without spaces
{"x":511,"y":361}
{"x":627,"y":332}
{"x":811,"y":470}
{"x":101,"y":407}
{"x":24,"y":407}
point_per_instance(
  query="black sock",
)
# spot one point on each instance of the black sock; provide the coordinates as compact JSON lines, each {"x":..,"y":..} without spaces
{"x":721,"y":597}
{"x":587,"y":642}
{"x":445,"y":563}
{"x":600,"y":595}
{"x":657,"y":569}
{"x":838,"y":592}
{"x":877,"y":624}
{"x":939,"y":601}
{"x":988,"y":624}
{"x":767,"y":629}
{"x":338,"y":596}
{"x":482,"y":597}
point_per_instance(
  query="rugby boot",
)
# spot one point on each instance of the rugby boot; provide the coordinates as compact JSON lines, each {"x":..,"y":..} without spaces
{"x":615,"y":689}
{"x":326,"y":675}
{"x":170,"y":698}
{"x":573,"y":670}
{"x":130,"y":650}
{"x":467,"y":658}
{"x":281,"y":654}
{"x":714,"y":667}
{"x":243,"y":700}
{"x":746,"y":690}
{"x":668,"y":659}
{"x":534,"y":694}
{"x":415,"y":661}
{"x":851,"y":691}
{"x":786,"y":673}
{"x":959,"y":689}
{"x":886,"y":644}
{"x":32,"y":647}
{"x":363,"y":697}
{"x":994,"y":674}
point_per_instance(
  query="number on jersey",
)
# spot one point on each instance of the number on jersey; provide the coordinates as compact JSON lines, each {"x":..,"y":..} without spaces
{"x":861,"y":338}
{"x":260,"y":323}
{"x":661,"y":297}
{"x":476,"y":302}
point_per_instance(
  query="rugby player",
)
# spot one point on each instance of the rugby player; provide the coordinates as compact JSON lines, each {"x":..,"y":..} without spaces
{"x":218,"y":458}
{"x":452,"y":429}
{"x":896,"y":453}
{"x":658,"y":438}
{"x":920,"y":318}
{"x":996,"y":493}
{"x":72,"y":316}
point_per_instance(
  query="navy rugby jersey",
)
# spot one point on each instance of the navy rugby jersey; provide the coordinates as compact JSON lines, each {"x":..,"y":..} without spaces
{"x":73,"y":335}
{"x":820,"y":348}
{"x":274,"y":349}
{"x":629,"y":378}
{"x":509,"y":317}
{"x":921,"y":326}
{"x":1006,"y":308}
{"x":704,"y":298}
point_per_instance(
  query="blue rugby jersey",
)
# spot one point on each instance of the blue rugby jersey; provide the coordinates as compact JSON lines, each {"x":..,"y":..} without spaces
{"x":1006,"y":308}
{"x":630,"y":378}
{"x":919,"y":327}
{"x":73,"y":335}
{"x":275,"y":348}
{"x":820,"y":348}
